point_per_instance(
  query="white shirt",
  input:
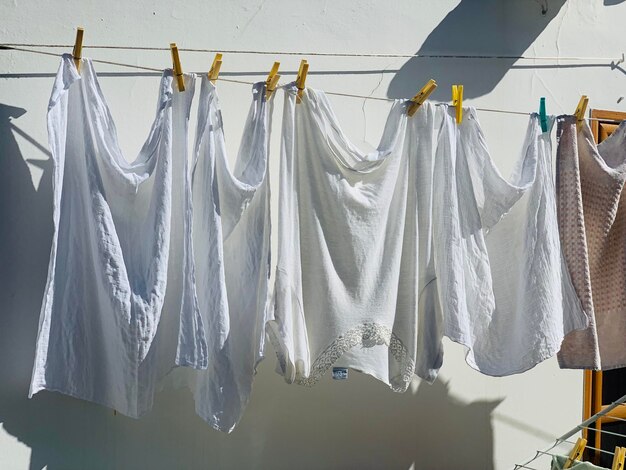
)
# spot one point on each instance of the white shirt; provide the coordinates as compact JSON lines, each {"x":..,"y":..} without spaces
{"x":348,"y":272}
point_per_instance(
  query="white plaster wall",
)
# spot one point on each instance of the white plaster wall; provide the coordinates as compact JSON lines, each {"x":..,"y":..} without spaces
{"x":464,"y":420}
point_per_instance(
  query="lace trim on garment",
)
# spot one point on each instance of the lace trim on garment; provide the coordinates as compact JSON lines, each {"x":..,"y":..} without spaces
{"x":366,"y":335}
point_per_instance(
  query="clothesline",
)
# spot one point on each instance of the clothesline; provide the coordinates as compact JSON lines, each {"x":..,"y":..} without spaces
{"x":616,"y":60}
{"x":169,"y":217}
{"x":19,"y":48}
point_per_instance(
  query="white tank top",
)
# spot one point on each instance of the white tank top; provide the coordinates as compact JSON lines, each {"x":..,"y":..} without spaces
{"x":107,"y":275}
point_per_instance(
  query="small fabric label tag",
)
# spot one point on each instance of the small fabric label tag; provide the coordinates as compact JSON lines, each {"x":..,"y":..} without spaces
{"x":340,"y":373}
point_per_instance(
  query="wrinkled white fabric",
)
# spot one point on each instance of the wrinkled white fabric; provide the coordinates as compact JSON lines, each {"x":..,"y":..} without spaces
{"x":503,"y":284}
{"x":107,"y":275}
{"x":347,"y":276}
{"x":227,"y":251}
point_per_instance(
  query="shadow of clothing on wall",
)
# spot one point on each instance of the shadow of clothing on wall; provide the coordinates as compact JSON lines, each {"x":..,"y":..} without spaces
{"x":474,"y":27}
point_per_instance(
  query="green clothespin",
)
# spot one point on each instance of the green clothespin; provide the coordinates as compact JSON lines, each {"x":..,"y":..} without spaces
{"x":543,"y":119}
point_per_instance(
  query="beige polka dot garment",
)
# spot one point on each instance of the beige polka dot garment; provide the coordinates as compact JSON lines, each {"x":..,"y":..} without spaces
{"x":592,"y":225}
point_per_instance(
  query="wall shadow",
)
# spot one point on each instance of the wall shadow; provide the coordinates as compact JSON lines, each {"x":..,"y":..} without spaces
{"x":358,"y":423}
{"x":474,"y":27}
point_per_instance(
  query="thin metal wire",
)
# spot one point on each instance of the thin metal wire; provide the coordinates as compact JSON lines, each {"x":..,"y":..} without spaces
{"x":541,"y":452}
{"x":98,"y":61}
{"x":616,"y":60}
{"x":593,"y":448}
{"x":603,"y":431}
{"x":244,"y":82}
{"x":616,"y":418}
{"x":564,"y":438}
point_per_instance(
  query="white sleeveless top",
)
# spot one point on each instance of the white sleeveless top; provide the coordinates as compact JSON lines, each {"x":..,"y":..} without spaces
{"x":227,"y":256}
{"x":348,"y":273}
{"x":108,"y":265}
{"x":504,"y":288}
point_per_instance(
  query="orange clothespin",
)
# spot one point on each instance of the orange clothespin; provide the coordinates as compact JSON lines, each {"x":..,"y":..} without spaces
{"x":301,"y":79}
{"x":576,"y":453}
{"x":214,"y":72}
{"x":618,"y":458}
{"x":457,"y":102}
{"x":272,"y":80}
{"x":581,"y":109}
{"x":77,"y":53}
{"x":421,"y":96}
{"x":178,"y":70}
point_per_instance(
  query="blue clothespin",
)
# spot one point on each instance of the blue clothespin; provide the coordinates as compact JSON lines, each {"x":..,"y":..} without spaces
{"x":543,"y":119}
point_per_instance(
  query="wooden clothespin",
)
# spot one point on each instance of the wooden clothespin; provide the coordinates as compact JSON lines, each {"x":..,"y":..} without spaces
{"x":77,"y":53}
{"x":457,"y":102}
{"x":178,"y":70}
{"x":543,"y":118}
{"x":576,"y":453}
{"x":618,"y":458}
{"x":581,"y":109}
{"x":214,"y":72}
{"x":301,"y":79}
{"x":272,"y":80}
{"x":421,"y":96}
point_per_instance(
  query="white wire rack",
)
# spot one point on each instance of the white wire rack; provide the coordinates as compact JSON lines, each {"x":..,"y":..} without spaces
{"x":563,"y":444}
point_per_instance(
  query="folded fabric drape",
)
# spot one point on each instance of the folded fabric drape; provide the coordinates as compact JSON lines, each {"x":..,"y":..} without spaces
{"x":348,"y":273}
{"x":503,"y":283}
{"x":107,"y":276}
{"x":227,"y":256}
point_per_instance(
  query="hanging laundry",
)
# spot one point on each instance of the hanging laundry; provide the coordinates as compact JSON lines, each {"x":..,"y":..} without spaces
{"x":227,"y":257}
{"x":348,"y":245}
{"x":592,"y":223}
{"x":107,"y":275}
{"x":503,"y":284}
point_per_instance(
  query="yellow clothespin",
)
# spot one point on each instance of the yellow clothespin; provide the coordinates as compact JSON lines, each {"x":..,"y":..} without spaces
{"x":178,"y":70}
{"x":421,"y":96}
{"x":457,"y":102}
{"x":77,"y":53}
{"x":618,"y":458}
{"x":581,"y":109}
{"x":301,"y":79}
{"x":214,"y":72}
{"x":576,"y":453}
{"x":272,"y":80}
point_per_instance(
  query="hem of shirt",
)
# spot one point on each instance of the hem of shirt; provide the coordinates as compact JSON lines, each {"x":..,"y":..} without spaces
{"x":398,"y":383}
{"x":70,"y":393}
{"x":578,"y":366}
{"x":518,"y":369}
{"x":214,"y":424}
